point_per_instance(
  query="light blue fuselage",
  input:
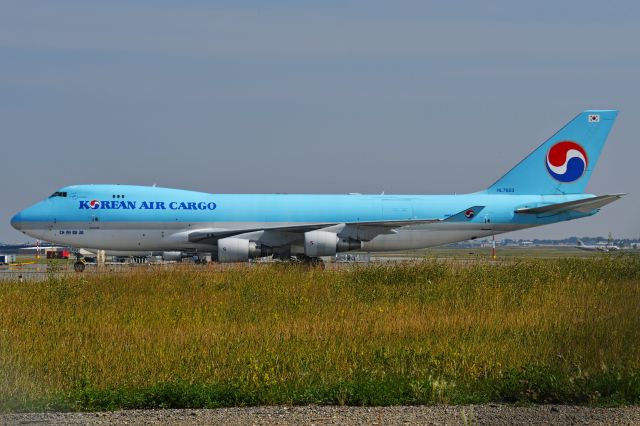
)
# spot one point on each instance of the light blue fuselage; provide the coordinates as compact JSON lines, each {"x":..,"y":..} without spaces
{"x":159,"y":219}
{"x":241,"y":227}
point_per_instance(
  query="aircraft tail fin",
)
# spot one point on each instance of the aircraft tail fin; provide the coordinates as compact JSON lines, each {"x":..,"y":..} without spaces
{"x":564,"y":162}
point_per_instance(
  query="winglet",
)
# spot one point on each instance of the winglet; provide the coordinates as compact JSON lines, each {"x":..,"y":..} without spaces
{"x":465,"y":215}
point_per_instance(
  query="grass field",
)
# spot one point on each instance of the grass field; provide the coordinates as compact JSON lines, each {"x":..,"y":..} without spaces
{"x":553,"y":330}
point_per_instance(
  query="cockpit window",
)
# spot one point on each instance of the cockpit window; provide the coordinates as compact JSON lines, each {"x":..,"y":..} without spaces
{"x":58,"y":194}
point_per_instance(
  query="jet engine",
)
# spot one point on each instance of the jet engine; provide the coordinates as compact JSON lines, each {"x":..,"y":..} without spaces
{"x":324,"y":243}
{"x":240,"y":250}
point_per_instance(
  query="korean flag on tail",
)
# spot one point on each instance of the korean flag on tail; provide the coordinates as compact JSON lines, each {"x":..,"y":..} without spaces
{"x":594,"y":118}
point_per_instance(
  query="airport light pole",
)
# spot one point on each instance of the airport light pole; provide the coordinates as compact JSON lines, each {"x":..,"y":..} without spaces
{"x":493,"y":247}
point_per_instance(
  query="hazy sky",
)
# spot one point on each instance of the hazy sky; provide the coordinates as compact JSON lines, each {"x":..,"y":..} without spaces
{"x":314,"y":97}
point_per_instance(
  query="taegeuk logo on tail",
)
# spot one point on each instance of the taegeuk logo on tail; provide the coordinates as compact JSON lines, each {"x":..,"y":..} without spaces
{"x":567,"y":161}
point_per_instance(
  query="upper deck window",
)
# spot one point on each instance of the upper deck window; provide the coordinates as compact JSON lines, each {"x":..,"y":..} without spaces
{"x":58,"y":194}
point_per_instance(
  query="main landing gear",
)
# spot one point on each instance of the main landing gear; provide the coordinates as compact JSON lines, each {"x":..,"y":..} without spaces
{"x":79,"y":265}
{"x":314,"y":262}
{"x":200,"y":259}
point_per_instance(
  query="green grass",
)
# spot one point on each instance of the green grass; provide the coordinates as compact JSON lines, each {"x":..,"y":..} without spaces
{"x":522,"y":331}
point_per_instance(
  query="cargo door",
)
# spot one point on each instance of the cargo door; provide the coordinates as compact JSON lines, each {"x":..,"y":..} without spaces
{"x":397,"y":209}
{"x":486,"y":223}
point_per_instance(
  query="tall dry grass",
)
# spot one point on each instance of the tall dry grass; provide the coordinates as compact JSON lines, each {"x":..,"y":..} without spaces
{"x":557,"y":330}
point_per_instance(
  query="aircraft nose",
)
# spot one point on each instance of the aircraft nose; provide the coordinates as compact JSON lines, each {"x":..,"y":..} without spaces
{"x":16,"y":221}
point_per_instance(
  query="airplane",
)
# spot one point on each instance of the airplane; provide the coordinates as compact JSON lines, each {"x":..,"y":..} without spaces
{"x":135,"y":255}
{"x":43,"y":248}
{"x":597,"y":247}
{"x":17,"y":248}
{"x":545,"y":187}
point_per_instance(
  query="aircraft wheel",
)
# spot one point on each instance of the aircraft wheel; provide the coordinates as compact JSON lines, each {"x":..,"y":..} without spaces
{"x":317,"y":262}
{"x":314,"y":262}
{"x":78,"y":266}
{"x":203,"y":262}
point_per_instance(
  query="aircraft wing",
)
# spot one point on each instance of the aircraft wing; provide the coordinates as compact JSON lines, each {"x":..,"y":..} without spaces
{"x":583,"y":206}
{"x":365,"y":230}
{"x":43,"y":248}
{"x":212,"y":235}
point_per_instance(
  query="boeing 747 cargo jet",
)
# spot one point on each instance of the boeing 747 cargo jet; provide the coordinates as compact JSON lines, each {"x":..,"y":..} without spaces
{"x":546,"y":187}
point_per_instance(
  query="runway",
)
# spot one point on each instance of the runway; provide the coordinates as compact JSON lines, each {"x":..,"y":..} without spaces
{"x":489,"y":414}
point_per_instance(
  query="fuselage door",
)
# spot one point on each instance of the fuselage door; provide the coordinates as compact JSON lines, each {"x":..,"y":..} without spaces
{"x":397,"y":209}
{"x":486,"y":222}
{"x":94,"y":220}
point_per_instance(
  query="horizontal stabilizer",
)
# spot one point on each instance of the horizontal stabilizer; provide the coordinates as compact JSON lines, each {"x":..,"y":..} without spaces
{"x":582,"y":206}
{"x":465,"y":215}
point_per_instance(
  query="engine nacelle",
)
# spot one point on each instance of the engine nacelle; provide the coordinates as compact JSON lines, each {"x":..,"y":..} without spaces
{"x":240,"y":250}
{"x":324,"y":243}
{"x":173,"y":255}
